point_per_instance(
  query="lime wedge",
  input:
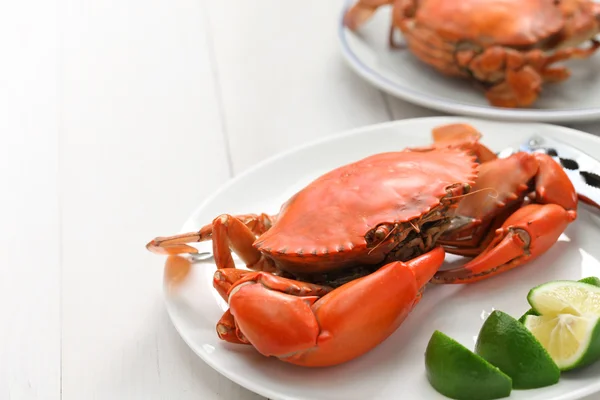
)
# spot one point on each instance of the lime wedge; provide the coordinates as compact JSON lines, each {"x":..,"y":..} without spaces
{"x":565,"y":297}
{"x":572,"y":341}
{"x":458,"y":373}
{"x":506,"y":343}
{"x":592,"y":280}
{"x":531,"y":311}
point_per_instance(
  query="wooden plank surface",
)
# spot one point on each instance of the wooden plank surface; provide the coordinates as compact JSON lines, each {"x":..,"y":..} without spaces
{"x":282,"y":78}
{"x":141,"y":147}
{"x":29,"y":205}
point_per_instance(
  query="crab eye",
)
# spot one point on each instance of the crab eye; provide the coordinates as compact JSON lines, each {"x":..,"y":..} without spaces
{"x":381,"y":233}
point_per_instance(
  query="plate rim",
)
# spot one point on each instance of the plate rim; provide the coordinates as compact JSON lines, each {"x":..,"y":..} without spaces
{"x":433,"y":102}
{"x":274,"y":395}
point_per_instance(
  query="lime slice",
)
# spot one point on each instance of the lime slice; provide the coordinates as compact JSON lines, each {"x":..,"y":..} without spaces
{"x":458,"y":373}
{"x":565,"y":297}
{"x":572,"y":341}
{"x":506,"y":343}
{"x":592,"y":280}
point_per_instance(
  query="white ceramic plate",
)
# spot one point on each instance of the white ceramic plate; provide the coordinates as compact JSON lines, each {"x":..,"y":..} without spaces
{"x":399,"y":73}
{"x":395,"y":369}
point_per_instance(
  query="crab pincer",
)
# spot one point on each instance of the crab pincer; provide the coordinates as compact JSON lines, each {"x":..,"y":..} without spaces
{"x":533,"y":203}
{"x":314,"y":325}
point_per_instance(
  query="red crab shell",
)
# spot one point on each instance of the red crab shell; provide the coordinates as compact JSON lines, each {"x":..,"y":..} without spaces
{"x":324,"y":226}
{"x":493,"y":22}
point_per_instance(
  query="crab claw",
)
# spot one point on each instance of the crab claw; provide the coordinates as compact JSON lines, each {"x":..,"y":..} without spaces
{"x":228,"y":331}
{"x":225,"y":278}
{"x":511,"y":179}
{"x":524,"y":236}
{"x":315,"y":326}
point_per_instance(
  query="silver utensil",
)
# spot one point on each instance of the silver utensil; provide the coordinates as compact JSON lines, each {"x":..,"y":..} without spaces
{"x":199,"y":257}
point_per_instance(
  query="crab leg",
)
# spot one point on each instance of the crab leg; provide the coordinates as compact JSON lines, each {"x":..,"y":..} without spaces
{"x":573,"y":52}
{"x":227,"y":233}
{"x":176,"y":244}
{"x":519,"y":75}
{"x":542,"y":62}
{"x":362,"y":11}
{"x":313,"y":325}
{"x":525,"y":235}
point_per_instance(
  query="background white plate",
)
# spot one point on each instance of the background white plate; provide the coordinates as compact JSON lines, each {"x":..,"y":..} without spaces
{"x":399,"y":73}
{"x":395,"y":369}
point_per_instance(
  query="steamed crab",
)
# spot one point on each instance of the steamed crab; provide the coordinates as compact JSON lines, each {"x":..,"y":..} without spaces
{"x":508,"y":47}
{"x":347,"y":258}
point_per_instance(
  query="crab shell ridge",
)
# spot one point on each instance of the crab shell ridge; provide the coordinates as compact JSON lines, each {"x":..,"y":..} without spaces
{"x":513,"y":23}
{"x":323,"y":226}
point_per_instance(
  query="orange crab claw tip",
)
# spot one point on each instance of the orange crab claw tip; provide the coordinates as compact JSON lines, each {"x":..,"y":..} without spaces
{"x":226,"y":329}
{"x":425,"y":266}
{"x":499,"y":258}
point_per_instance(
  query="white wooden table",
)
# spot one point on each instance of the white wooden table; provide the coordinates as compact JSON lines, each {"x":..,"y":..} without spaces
{"x":118,"y":118}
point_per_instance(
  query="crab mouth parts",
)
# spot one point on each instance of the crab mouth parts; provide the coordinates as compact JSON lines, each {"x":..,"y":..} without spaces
{"x":407,"y":241}
{"x":419,"y":242}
